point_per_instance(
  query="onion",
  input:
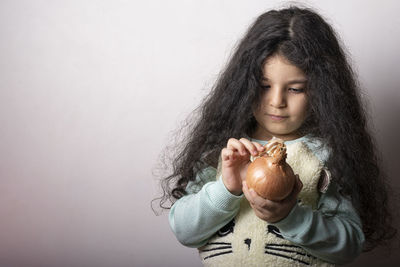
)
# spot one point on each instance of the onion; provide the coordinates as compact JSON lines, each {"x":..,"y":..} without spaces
{"x":269,"y":174}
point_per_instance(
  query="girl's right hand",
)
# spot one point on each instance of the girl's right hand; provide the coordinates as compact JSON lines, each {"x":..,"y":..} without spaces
{"x":235,"y":160}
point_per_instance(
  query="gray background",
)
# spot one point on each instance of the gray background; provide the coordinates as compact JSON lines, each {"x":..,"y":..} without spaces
{"x":90,"y":92}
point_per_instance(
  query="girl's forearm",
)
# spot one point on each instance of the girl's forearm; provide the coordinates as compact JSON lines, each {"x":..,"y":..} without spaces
{"x":196,"y":217}
{"x":332,"y":233}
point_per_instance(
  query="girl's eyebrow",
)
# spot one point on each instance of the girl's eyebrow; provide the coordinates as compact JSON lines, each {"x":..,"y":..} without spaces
{"x":291,"y":81}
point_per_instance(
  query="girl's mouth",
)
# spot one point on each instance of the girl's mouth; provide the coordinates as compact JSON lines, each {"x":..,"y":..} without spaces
{"x":277,"y":118}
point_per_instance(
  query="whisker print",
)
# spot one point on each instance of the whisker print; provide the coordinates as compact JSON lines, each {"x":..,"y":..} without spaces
{"x":279,"y":247}
{"x":287,"y":257}
{"x":289,"y":251}
{"x":218,"y":243}
{"x":213,"y":246}
{"x":218,"y":254}
{"x":217,"y":248}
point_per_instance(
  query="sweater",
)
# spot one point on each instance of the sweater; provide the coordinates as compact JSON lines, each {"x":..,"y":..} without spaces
{"x":322,"y":228}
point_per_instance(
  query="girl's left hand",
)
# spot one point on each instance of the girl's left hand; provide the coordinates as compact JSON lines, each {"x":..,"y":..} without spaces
{"x":272,"y":211}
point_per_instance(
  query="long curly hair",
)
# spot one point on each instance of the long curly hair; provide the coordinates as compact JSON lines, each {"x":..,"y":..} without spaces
{"x":337,"y":116}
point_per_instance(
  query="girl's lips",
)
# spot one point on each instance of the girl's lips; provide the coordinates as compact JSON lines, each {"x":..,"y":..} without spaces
{"x":277,"y":118}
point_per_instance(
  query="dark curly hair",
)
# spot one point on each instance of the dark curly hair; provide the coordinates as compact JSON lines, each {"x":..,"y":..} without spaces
{"x":337,"y":116}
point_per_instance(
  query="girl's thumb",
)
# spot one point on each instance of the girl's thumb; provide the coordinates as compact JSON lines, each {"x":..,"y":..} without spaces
{"x":298,"y":185}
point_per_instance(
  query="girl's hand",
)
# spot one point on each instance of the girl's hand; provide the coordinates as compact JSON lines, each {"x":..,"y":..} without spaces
{"x":272,"y":211}
{"x":235,"y":160}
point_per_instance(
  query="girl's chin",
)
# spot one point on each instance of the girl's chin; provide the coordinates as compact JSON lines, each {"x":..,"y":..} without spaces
{"x":284,"y":135}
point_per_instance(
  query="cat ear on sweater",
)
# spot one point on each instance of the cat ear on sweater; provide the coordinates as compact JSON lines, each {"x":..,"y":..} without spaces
{"x":324,"y":180}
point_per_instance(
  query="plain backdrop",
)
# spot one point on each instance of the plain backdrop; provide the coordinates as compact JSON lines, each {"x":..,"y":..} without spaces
{"x":92,"y":91}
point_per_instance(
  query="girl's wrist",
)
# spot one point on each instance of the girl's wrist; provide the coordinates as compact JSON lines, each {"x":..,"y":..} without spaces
{"x":232,"y":188}
{"x":233,"y":191}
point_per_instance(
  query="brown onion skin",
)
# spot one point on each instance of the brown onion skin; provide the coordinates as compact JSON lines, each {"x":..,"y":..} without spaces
{"x":270,"y":179}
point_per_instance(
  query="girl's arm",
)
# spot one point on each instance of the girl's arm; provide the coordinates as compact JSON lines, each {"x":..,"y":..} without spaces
{"x":333,"y":232}
{"x":197,"y":216}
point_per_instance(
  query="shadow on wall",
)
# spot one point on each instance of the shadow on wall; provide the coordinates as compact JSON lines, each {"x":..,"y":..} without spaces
{"x":387,"y":130}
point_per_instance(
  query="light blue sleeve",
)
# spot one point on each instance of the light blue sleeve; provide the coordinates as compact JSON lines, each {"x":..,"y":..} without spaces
{"x":333,"y":232}
{"x":197,"y":216}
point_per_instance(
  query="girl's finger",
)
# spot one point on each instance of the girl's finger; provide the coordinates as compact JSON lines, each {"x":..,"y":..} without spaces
{"x":299,"y":185}
{"x":226,"y":154}
{"x":253,"y":197}
{"x":236,"y":145}
{"x":297,"y":188}
{"x":260,"y":202}
{"x":251,"y":147}
{"x":246,"y":192}
{"x":259,"y":146}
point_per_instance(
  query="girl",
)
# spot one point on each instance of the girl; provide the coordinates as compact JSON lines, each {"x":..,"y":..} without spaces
{"x":288,"y":78}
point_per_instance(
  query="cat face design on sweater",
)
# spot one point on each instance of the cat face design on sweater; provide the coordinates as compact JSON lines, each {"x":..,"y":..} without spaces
{"x":285,"y":251}
{"x":249,"y":241}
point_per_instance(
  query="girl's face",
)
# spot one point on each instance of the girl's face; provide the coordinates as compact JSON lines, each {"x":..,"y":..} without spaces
{"x":283,"y":103}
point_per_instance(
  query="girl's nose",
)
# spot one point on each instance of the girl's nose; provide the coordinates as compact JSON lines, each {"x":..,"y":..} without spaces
{"x":277,"y":98}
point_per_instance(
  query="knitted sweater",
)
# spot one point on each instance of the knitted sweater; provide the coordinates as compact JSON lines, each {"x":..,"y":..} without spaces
{"x":321,"y":228}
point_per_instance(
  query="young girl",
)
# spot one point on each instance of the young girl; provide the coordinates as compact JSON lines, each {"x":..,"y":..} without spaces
{"x":288,"y":78}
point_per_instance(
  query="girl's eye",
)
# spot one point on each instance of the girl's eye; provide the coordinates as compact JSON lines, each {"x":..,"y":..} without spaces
{"x":292,"y":90}
{"x":296,"y":90}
